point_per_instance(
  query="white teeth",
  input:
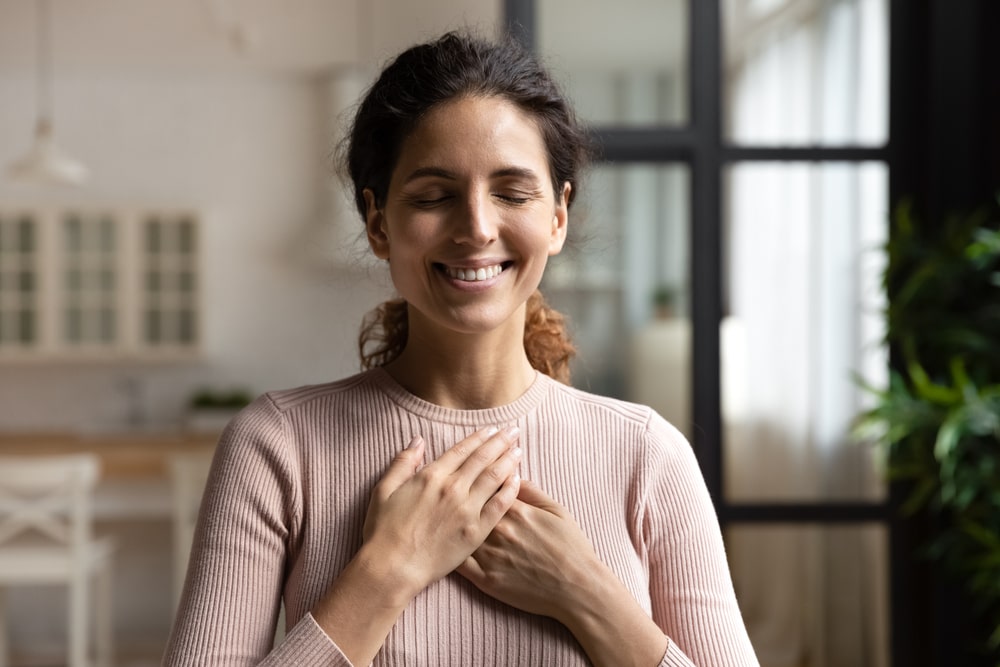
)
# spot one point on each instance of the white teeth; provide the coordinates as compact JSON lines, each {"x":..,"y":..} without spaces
{"x":474,"y":275}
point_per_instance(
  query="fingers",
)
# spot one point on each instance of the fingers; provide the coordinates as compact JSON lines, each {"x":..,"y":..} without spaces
{"x":502,"y":500}
{"x":472,"y":570}
{"x":494,"y":477}
{"x":404,"y":465}
{"x":478,"y":450}
{"x":532,"y":494}
{"x":482,"y":462}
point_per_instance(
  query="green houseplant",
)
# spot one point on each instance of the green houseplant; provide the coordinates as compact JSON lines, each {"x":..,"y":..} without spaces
{"x":209,"y":410}
{"x":938,"y":422}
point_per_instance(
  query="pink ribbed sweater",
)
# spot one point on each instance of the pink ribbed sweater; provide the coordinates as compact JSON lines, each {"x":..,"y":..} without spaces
{"x":286,"y":499}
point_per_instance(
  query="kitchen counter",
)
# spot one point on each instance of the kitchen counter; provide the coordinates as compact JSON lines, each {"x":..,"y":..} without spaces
{"x":135,"y":471}
{"x":124,"y":455}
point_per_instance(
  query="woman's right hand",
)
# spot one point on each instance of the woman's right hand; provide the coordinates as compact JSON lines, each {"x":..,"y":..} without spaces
{"x":430,"y":519}
{"x":422,"y":522}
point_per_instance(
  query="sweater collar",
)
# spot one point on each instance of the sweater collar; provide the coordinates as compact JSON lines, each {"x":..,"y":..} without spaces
{"x":502,"y":414}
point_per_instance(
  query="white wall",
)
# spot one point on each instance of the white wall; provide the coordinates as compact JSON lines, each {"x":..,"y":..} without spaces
{"x":249,"y":148}
{"x":250,"y":152}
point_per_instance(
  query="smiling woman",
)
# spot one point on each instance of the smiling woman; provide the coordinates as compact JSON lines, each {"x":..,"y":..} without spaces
{"x":467,"y":224}
{"x":390,"y":511}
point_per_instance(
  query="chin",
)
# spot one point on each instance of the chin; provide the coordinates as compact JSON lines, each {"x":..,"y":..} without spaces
{"x":482,"y":322}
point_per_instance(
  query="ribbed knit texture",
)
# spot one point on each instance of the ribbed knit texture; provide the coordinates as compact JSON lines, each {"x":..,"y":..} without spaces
{"x":286,"y":501}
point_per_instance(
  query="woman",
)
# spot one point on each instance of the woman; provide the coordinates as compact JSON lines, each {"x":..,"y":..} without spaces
{"x":392,"y":511}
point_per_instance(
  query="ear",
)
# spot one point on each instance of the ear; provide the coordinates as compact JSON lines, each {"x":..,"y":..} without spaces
{"x":378,"y":239}
{"x":560,"y":220}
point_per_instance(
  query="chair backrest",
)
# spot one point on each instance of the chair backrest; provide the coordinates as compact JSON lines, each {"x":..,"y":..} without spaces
{"x":188,"y":477}
{"x":47,"y":498}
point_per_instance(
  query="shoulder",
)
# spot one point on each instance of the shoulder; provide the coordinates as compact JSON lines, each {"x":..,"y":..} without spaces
{"x":619,"y":411}
{"x":284,"y":415}
{"x":621,"y":425}
{"x":583,"y":402}
{"x":288,"y":400}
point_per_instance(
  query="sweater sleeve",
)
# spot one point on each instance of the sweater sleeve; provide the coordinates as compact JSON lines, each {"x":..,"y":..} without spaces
{"x":232,"y":592}
{"x":693,"y":600}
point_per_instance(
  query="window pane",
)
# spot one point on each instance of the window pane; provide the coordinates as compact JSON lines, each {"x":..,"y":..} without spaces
{"x":170,"y":280}
{"x":813,"y":596}
{"x":153,"y":326}
{"x":27,"y":283}
{"x":19,"y":281}
{"x":186,"y":242}
{"x":73,"y":235}
{"x":26,"y":232}
{"x":804,"y":317}
{"x":89,"y":278}
{"x":74,"y":325}
{"x":107,"y":235}
{"x":622,"y":281}
{"x":806,"y":71}
{"x":187,"y":326}
{"x":27,"y":326}
{"x":153,"y":236}
{"x":622,"y":63}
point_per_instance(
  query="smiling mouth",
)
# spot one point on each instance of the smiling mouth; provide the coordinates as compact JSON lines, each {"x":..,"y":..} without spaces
{"x":474,"y":275}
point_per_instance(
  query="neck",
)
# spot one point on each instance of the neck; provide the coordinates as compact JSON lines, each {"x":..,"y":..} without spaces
{"x":467,"y":372}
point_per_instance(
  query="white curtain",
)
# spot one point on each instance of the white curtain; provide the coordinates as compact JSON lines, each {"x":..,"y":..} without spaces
{"x":801,"y":242}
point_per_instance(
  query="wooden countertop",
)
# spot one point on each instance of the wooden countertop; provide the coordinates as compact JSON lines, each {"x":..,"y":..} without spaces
{"x":123,"y":455}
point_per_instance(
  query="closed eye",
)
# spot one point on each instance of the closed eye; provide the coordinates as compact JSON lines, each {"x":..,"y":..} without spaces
{"x":512,"y":199}
{"x":429,"y":200}
{"x":516,"y":196}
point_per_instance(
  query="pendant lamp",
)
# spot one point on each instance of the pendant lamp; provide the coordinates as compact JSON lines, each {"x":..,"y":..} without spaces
{"x":45,"y":163}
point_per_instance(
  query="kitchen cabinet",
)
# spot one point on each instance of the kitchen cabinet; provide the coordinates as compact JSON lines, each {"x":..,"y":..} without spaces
{"x":99,"y":283}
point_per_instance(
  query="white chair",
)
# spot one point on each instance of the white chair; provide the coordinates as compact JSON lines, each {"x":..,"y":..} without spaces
{"x":46,"y":537}
{"x":188,"y":476}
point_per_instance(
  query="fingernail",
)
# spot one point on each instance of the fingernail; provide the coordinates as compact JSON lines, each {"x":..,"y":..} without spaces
{"x":513,"y":431}
{"x":517,"y":478}
{"x":415,"y":442}
{"x":492,"y":431}
{"x":516,"y":452}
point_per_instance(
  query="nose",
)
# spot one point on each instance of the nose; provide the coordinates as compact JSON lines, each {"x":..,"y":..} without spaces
{"x":476,"y":224}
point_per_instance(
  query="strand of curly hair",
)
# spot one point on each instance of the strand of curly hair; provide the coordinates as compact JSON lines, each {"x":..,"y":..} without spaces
{"x":384,"y":332}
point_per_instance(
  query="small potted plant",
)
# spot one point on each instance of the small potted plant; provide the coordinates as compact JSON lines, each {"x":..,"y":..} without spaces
{"x":209,"y":410}
{"x":664,"y":301}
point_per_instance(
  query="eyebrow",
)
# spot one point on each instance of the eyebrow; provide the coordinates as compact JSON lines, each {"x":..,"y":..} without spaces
{"x":438,"y":172}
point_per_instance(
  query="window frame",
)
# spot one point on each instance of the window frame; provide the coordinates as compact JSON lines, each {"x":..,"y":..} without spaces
{"x":702,"y":146}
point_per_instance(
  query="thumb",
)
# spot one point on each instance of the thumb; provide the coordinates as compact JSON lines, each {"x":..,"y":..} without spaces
{"x":404,"y":465}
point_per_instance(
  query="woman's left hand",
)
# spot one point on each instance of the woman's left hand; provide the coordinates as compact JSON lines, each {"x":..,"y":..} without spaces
{"x":536,"y":559}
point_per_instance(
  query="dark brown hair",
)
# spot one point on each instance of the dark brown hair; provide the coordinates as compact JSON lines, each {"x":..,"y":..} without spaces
{"x":421,"y":78}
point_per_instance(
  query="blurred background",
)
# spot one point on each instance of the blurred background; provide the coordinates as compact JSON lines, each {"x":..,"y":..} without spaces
{"x":173,"y":241}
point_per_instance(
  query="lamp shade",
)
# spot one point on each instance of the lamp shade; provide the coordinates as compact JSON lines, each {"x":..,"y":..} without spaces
{"x":45,"y":163}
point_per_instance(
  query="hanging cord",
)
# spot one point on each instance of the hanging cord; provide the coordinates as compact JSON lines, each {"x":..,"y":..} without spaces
{"x":43,"y":85}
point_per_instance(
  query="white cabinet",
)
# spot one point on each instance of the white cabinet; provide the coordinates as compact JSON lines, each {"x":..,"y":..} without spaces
{"x":99,"y":283}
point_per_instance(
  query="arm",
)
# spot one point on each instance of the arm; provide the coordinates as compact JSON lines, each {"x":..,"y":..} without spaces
{"x":420,"y":525}
{"x":690,"y":583}
{"x":232,"y":592}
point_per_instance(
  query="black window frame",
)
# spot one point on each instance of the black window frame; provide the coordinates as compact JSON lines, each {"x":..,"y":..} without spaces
{"x":943,"y":153}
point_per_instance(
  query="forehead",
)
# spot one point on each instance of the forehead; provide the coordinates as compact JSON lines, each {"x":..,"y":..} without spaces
{"x":473,"y":133}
